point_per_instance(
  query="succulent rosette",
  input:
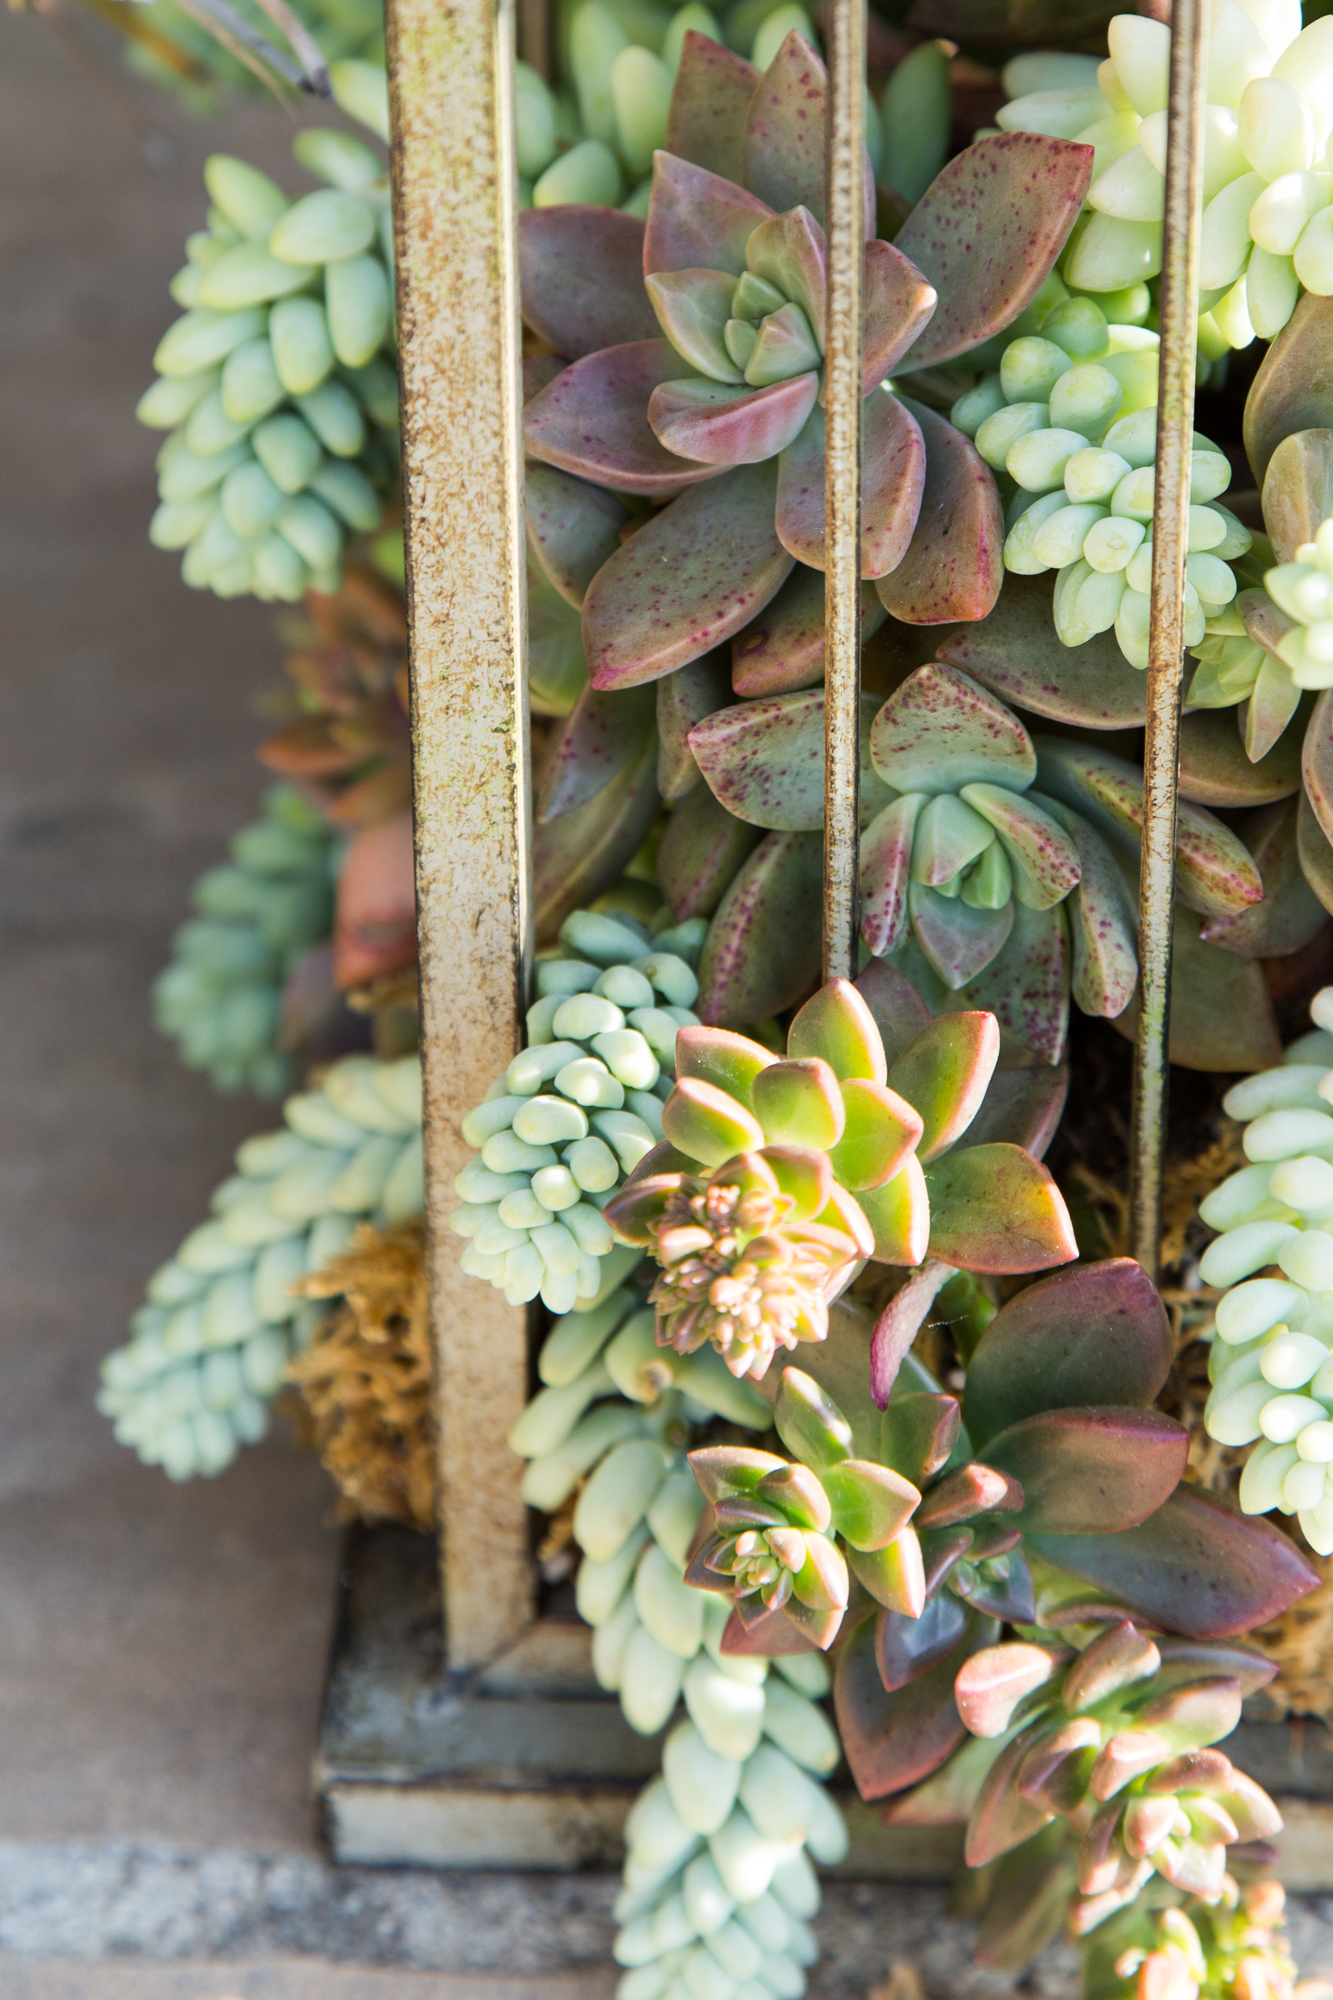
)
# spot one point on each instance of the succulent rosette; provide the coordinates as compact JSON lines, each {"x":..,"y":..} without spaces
{"x":1230,"y":1946}
{"x":695,"y":345}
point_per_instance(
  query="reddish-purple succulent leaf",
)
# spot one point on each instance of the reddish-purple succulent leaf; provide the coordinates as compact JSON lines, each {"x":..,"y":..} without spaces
{"x":1096,"y":1335}
{"x":635,"y":1209}
{"x":783,"y":650}
{"x":905,"y":1314}
{"x":945,"y":1073}
{"x":919,"y":1431}
{"x":1317,"y":762}
{"x":577,"y":857}
{"x":697,"y":220}
{"x":1195,"y":1567}
{"x":953,"y":566}
{"x":690,"y":578}
{"x":581,"y":271}
{"x":702,"y":850}
{"x":1215,"y":771}
{"x":1298,"y":490}
{"x":721,"y":425}
{"x":894,"y":1740}
{"x":765,"y":760}
{"x":592,"y":420}
{"x":709,"y":107}
{"x":771,"y":1635}
{"x":885,"y":863}
{"x":683,"y":699}
{"x":972,"y":1490}
{"x":1002,"y":1818}
{"x":1093,"y":1470}
{"x":1291,"y":390}
{"x":898,"y":302}
{"x":940,"y":730}
{"x":1041,"y":854}
{"x":791,"y":253}
{"x":1103,"y":921}
{"x":1016,"y":652}
{"x":692,"y":308}
{"x":995,"y":1208}
{"x":958,"y":941}
{"x":906,"y":1648}
{"x":1030,"y":1901}
{"x":572,"y":528}
{"x":602,"y":734}
{"x":1190,"y":1659}
{"x":987,"y":232}
{"x":763,"y":950}
{"x":1027,"y":986}
{"x":1011,"y":1597}
{"x":785,"y":133}
{"x":893,"y":474}
{"x":538,"y":370}
{"x":1291,"y":914}
{"x":1221,"y":1013}
{"x":942,"y":1549}
{"x":1022,"y":1107}
{"x":990,"y":1685}
{"x":1315,"y":851}
{"x":898,"y":1009}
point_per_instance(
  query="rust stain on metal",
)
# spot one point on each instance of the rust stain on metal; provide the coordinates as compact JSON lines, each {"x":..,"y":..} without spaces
{"x":455,"y":201}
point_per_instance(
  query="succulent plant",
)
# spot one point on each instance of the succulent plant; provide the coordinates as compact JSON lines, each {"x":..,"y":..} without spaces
{"x":1267,"y":226}
{"x":210,"y":1345}
{"x":1232,"y":1948}
{"x":575,"y":1111}
{"x":282,"y":408}
{"x":221,"y":997}
{"x":179,"y":50}
{"x":721,"y":416}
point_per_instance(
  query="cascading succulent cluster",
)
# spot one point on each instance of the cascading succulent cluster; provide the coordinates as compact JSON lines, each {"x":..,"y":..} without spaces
{"x":257,"y":916}
{"x":274,"y":384}
{"x":209,"y":1347}
{"x":1233,"y":1945}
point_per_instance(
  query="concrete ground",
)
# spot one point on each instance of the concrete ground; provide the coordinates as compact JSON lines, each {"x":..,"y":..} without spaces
{"x":162,"y":1648}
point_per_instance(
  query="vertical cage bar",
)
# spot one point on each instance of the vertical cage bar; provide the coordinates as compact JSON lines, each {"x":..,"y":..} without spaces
{"x":845,"y":30}
{"x":455,"y":222}
{"x":1178,"y":313}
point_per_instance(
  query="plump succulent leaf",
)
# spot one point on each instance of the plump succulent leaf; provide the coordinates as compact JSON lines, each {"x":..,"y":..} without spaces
{"x":958,"y":941}
{"x":729,"y":1061}
{"x":602,"y":734}
{"x":1215,"y":771}
{"x":995,"y":1208}
{"x":592,"y":419}
{"x":953,"y":566}
{"x":1022,"y":1107}
{"x":1290,"y":391}
{"x":783,"y":648}
{"x":894,"y":1740}
{"x":1221,"y":1013}
{"x":991,"y":1685}
{"x":940,"y":730}
{"x":1103,"y":921}
{"x":1317,"y":762}
{"x":897,"y":1009}
{"x":920,"y":1430}
{"x":880,"y":1130}
{"x":684,"y":699}
{"x":885,"y":872}
{"x":765,"y":760}
{"x":899,"y":1215}
{"x":701,"y":853}
{"x":697,"y":220}
{"x":1002,"y":1818}
{"x":1027,"y":986}
{"x":722,"y":425}
{"x":944,"y":1074}
{"x":1089,"y":1470}
{"x":893,"y":475}
{"x":785,"y":134}
{"x":573,"y":528}
{"x":709,"y":107}
{"x":764,"y":945}
{"x":581,"y":273}
{"x":577,"y":857}
{"x":906,"y":1648}
{"x":1291,"y":914}
{"x":898,"y":302}
{"x":1016,"y":652}
{"x":1298,"y":490}
{"x":838,"y":1025}
{"x":1043,"y":858}
{"x":871,"y":1503}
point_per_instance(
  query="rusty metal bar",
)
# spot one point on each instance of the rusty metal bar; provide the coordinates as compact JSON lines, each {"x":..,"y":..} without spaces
{"x":1177,"y":322}
{"x":845,"y":30}
{"x":455,"y":226}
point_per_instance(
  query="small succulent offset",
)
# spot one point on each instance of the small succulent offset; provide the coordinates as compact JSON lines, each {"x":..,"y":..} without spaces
{"x":1231,"y":1946}
{"x":777,"y":1178}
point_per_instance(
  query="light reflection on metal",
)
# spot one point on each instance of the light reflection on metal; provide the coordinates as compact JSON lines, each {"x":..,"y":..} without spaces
{"x":1177,"y":316}
{"x":845,"y":33}
{"x":455,"y":216}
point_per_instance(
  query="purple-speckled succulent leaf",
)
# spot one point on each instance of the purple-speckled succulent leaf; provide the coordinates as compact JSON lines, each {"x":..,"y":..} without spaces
{"x":899,"y":1011}
{"x":1195,"y":1566}
{"x":697,"y":220}
{"x":577,"y":857}
{"x":953,"y":566}
{"x":684,"y":699}
{"x":1016,"y":652}
{"x":687,"y":581}
{"x":592,"y":420}
{"x":1316,"y":852}
{"x":894,"y":1740}
{"x":1095,"y":1335}
{"x":791,"y":253}
{"x":906,"y":1648}
{"x":899,"y":1215}
{"x":1041,"y":854}
{"x":573,"y":528}
{"x":1291,"y":914}
{"x":898,"y":303}
{"x":785,"y":134}
{"x":995,"y":1208}
{"x":1215,"y":770}
{"x":893,"y":473}
{"x":1103,"y":921}
{"x":692,"y":308}
{"x":940,"y":730}
{"x":538,"y":370}
{"x":1221,"y":1013}
{"x":1091,"y":1470}
{"x":1022,"y":1107}
{"x":765,"y":760}
{"x":957,"y":941}
{"x":987,"y":232}
{"x":701,"y":853}
{"x":1317,"y":761}
{"x":1298,"y":491}
{"x":1214,"y":873}
{"x":886,"y":855}
{"x":763,"y":950}
{"x":602,"y":734}
{"x":783,"y":649}
{"x":581,"y":272}
{"x":1027,"y":986}
{"x":717,"y":424}
{"x":709,"y":106}
{"x":945,"y":1074}
{"x":1273,"y":703}
{"x":1290,"y":391}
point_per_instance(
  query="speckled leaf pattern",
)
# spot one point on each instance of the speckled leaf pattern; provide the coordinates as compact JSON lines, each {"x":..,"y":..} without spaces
{"x":603,"y":733}
{"x":958,"y":941}
{"x":1293,"y":390}
{"x":709,"y":106}
{"x":886,"y":855}
{"x":687,"y":581}
{"x":987,"y":232}
{"x":577,"y":857}
{"x":1221,"y":1015}
{"x":1103,"y":922}
{"x":684,"y":698}
{"x":953,"y":566}
{"x":1316,"y":852}
{"x":785,"y":134}
{"x":1027,"y":986}
{"x":900,"y":1012}
{"x":763,"y":950}
{"x":897,"y":303}
{"x":1317,"y":762}
{"x":721,"y":425}
{"x":1015,"y":652}
{"x":697,"y":220}
{"x":581,"y":272}
{"x":939,"y":731}
{"x":995,"y":1208}
{"x":765,"y":760}
{"x":573,"y":528}
{"x":783,"y":649}
{"x":1041,"y":854}
{"x":702,"y":850}
{"x":1298,"y":489}
{"x":1215,"y":771}
{"x":893,"y":477}
{"x":1290,"y":914}
{"x":592,"y":420}
{"x":538,"y":370}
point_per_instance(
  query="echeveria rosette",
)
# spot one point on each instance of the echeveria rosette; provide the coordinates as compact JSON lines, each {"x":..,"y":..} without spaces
{"x":721,"y":416}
